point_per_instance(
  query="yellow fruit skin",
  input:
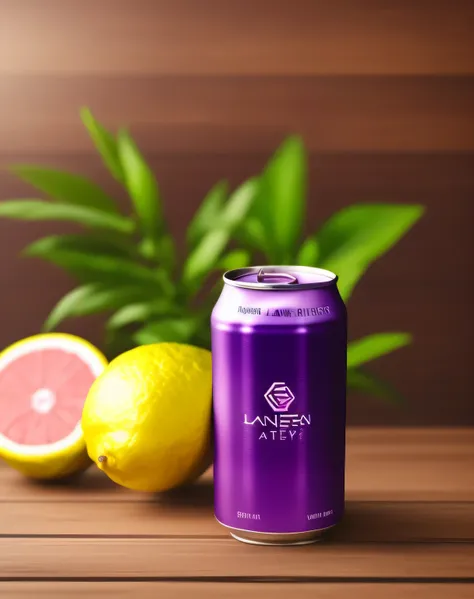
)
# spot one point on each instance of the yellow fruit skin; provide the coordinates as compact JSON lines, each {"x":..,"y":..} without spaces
{"x":149,"y":415}
{"x":58,"y":465}
{"x":55,"y":464}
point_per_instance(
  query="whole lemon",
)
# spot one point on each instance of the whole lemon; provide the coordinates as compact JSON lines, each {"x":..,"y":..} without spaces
{"x":147,"y":418}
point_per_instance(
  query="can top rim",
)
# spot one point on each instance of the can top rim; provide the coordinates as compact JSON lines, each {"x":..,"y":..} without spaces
{"x":232,"y":277}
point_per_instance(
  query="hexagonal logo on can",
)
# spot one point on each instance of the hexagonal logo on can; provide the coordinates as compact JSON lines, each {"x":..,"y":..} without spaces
{"x":279,"y":397}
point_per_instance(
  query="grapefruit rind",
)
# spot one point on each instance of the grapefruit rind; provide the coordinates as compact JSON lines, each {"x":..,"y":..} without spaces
{"x":68,"y":455}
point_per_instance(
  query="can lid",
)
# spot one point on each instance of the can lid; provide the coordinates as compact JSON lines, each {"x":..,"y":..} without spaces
{"x":285,"y":278}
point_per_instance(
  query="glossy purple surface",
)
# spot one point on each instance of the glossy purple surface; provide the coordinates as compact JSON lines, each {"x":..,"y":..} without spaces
{"x":279,"y":384}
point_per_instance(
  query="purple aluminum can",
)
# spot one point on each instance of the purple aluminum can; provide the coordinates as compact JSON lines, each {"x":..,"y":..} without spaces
{"x":279,"y":341}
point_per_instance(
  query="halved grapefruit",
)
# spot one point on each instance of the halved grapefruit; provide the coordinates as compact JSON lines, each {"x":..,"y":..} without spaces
{"x":44,"y":381}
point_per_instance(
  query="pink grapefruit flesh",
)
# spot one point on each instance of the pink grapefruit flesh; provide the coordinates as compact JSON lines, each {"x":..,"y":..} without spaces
{"x":42,"y":393}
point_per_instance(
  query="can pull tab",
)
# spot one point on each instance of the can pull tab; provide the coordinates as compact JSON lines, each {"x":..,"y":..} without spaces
{"x":276,"y":277}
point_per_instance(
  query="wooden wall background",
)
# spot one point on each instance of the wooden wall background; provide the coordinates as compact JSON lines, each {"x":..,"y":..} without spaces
{"x":383,"y":93}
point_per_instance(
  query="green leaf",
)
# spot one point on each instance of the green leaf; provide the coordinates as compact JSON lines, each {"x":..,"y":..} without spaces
{"x":371,"y":347}
{"x":129,"y":315}
{"x":238,"y":205}
{"x":234,"y":259}
{"x":117,"y":341}
{"x":207,"y":215}
{"x":105,"y":143}
{"x":282,"y":198}
{"x":90,"y":299}
{"x":38,"y":210}
{"x":207,"y":253}
{"x":213,"y":294}
{"x":308,"y":253}
{"x":172,"y":329}
{"x":216,"y":213}
{"x":138,"y":312}
{"x":66,"y":187}
{"x":166,"y":252}
{"x":142,"y":187}
{"x":205,"y":256}
{"x":99,"y":243}
{"x":358,"y":380}
{"x":202,"y":337}
{"x":96,"y":267}
{"x":356,"y":236}
{"x":162,"y":249}
{"x":252,"y":234}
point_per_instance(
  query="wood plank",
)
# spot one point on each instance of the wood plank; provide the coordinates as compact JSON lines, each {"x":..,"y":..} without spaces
{"x":39,"y":114}
{"x":429,"y":464}
{"x":121,"y":558}
{"x":382,"y":464}
{"x":204,"y":590}
{"x":405,"y":522}
{"x":364,"y":522}
{"x":156,"y":36}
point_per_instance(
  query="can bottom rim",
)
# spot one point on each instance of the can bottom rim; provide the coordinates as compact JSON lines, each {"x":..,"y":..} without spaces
{"x":283,"y":538}
{"x":263,"y":539}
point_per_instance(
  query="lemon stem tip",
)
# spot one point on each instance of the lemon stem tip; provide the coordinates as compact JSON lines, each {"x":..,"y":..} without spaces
{"x":102,"y":458}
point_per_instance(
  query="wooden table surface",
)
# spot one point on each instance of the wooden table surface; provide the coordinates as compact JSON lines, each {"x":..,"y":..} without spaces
{"x":408,"y":532}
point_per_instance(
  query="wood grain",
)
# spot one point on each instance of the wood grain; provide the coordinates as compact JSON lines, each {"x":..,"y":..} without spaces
{"x":239,"y":114}
{"x":204,"y":590}
{"x":364,"y":522}
{"x":382,"y":464}
{"x":110,"y":541}
{"x":250,"y":37}
{"x":122,"y":558}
